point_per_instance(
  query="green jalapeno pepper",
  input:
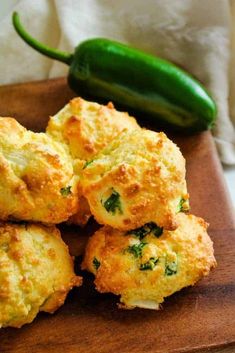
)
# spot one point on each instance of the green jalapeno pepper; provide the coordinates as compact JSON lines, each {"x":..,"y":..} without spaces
{"x":153,"y":88}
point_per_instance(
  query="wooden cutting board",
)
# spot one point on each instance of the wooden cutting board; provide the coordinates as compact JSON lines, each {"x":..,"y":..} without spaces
{"x":197,"y":319}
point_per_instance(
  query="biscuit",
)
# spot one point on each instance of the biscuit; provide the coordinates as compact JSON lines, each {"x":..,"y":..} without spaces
{"x":36,"y":272}
{"x":37,"y":182}
{"x":84,"y":128}
{"x":146,"y":265}
{"x":87,"y":127}
{"x":136,"y":179}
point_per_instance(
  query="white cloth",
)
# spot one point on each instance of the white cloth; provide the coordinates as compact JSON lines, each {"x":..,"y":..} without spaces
{"x":195,"y":34}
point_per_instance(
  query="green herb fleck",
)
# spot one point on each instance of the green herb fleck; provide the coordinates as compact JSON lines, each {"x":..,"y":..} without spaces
{"x":113,"y":203}
{"x":87,"y":163}
{"x":136,"y":249}
{"x":66,"y":191}
{"x":149,"y":265}
{"x":157,"y":231}
{"x":141,"y":232}
{"x":171,"y":268}
{"x":96,"y":263}
{"x":180,"y":207}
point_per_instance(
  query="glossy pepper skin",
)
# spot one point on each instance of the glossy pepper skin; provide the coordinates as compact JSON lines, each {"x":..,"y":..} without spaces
{"x":153,"y":88}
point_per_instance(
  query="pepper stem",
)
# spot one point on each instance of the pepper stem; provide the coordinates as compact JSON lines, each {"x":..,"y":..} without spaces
{"x":41,"y":48}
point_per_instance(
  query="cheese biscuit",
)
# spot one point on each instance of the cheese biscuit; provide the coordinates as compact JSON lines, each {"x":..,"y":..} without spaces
{"x":146,"y":265}
{"x":36,"y":272}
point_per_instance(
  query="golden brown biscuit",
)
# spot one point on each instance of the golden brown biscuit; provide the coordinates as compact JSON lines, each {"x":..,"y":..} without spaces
{"x":146,"y":265}
{"x":36,"y":272}
{"x":37,"y":181}
{"x":138,"y":178}
{"x":85,"y":128}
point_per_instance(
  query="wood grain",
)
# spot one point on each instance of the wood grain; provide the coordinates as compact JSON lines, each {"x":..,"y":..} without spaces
{"x":197,"y":319}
